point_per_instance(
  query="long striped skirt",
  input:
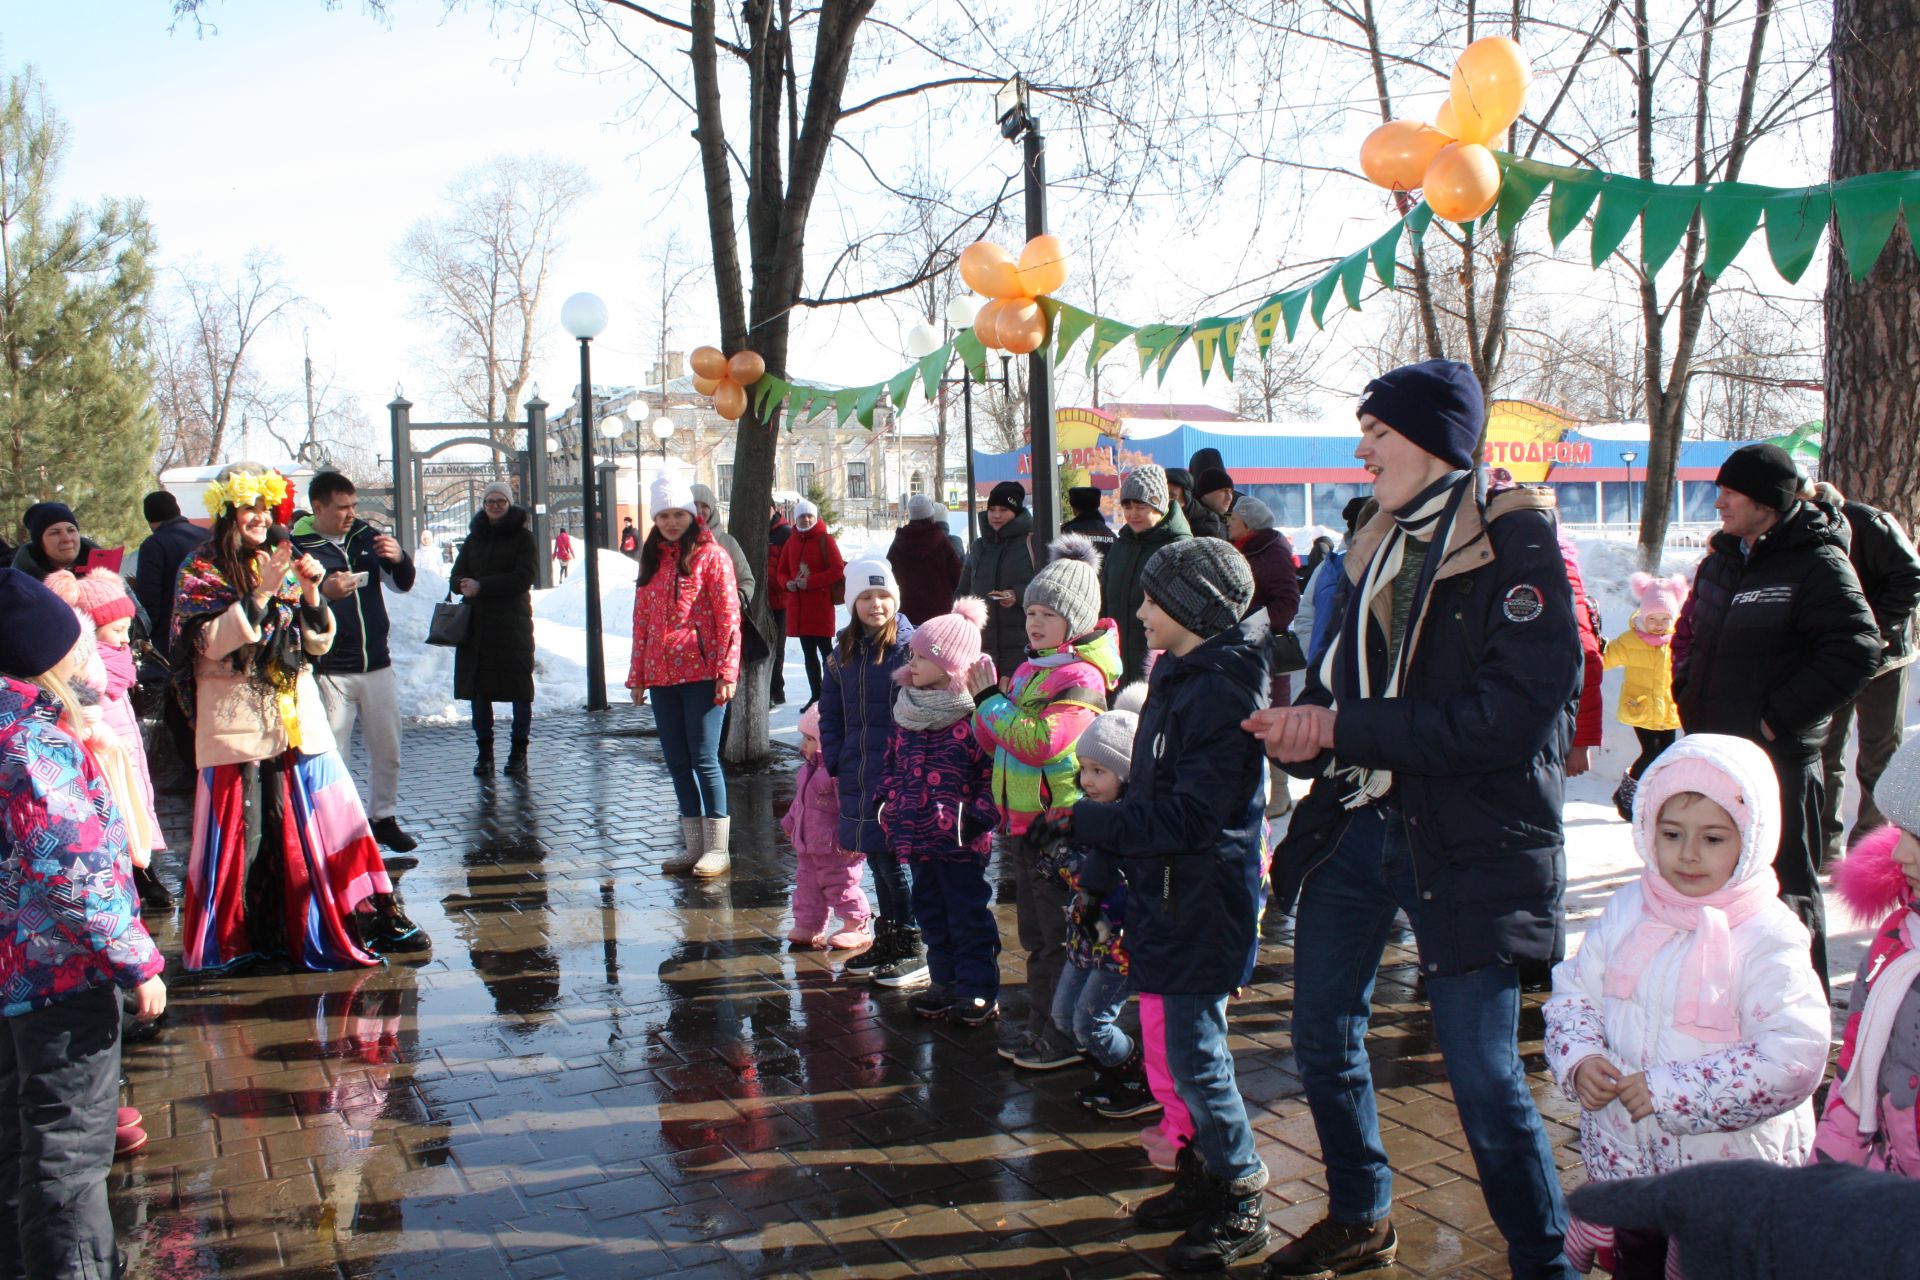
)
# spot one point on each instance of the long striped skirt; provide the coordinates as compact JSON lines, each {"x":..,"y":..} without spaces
{"x":281,"y":857}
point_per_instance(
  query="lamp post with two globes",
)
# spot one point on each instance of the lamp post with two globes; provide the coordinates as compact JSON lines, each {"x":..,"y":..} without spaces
{"x":584,"y":316}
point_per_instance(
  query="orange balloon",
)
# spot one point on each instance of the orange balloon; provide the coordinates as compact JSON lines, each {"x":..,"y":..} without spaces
{"x":1396,"y":155}
{"x":1043,"y":266}
{"x":1463,"y":181}
{"x":986,"y":325}
{"x":1022,"y":326}
{"x":708,"y":362}
{"x":746,"y":367}
{"x":729,"y":399}
{"x":1489,"y":88}
{"x":990,"y":270}
{"x":1443,"y":119}
{"x":705,"y":386}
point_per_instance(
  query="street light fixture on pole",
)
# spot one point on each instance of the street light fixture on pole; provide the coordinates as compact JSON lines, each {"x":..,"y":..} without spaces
{"x":1629,"y":457}
{"x":584,"y":316}
{"x":1017,"y":122}
{"x":637,"y":411}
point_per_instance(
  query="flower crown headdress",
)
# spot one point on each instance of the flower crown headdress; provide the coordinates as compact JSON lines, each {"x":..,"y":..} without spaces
{"x":244,"y":484}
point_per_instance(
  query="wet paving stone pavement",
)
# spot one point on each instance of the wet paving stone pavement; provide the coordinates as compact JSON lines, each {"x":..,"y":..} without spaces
{"x":604,"y":1071}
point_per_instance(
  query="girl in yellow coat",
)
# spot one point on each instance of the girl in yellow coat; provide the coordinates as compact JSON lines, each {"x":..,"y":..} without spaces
{"x":1645,"y":649}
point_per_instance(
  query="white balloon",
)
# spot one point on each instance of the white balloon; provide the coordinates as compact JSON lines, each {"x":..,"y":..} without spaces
{"x":922,"y":341}
{"x":962,"y":310}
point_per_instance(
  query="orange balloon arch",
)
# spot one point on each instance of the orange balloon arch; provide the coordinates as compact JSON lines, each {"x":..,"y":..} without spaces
{"x":1449,"y":159}
{"x":726,"y":378}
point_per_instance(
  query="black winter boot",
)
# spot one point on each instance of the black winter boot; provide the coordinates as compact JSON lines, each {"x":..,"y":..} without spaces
{"x":392,"y":933}
{"x":1126,"y":1093}
{"x":881,"y":952}
{"x":1623,"y":796}
{"x":483,"y":766}
{"x":908,"y":968}
{"x":153,"y":894}
{"x":1184,"y":1203}
{"x":517,"y":759}
{"x":1231,"y":1227}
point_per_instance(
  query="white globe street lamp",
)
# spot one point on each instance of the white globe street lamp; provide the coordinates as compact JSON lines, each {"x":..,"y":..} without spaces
{"x":584,"y":315}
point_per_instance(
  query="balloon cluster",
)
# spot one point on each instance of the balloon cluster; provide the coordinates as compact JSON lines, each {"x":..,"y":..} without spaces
{"x":1012,"y":321}
{"x":726,"y":378}
{"x":1449,"y":158}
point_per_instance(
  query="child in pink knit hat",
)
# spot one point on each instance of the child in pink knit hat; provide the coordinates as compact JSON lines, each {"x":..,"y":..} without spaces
{"x":936,"y":808}
{"x":826,"y":877}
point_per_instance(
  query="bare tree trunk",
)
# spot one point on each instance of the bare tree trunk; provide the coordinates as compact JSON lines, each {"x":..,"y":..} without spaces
{"x":1871,"y":450}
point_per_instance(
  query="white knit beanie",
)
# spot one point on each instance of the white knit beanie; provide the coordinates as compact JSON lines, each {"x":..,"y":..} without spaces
{"x":870,"y":575}
{"x":670,"y":493}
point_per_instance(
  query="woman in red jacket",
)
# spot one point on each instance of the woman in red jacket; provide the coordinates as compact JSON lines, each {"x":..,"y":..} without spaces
{"x":810,"y":568}
{"x":686,"y":658}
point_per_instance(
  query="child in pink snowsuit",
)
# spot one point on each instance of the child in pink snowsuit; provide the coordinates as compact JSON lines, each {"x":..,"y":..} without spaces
{"x":104,"y":599}
{"x":827,"y":877}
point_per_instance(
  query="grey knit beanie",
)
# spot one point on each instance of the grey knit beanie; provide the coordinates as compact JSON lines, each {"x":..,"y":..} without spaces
{"x":1069,"y":584}
{"x":1255,"y":514}
{"x":1146,"y":484}
{"x":1203,"y":584}
{"x":1108,"y":741}
{"x":919,"y":507}
{"x":1897,"y":793}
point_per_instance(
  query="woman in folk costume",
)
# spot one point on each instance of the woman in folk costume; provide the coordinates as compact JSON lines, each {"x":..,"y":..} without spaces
{"x":282,"y":862}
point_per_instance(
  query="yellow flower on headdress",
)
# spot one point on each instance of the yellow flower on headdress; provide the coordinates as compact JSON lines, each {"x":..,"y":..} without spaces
{"x":243,"y":489}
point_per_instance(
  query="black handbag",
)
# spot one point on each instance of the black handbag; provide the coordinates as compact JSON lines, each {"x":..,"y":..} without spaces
{"x":451,"y":623}
{"x":1288,"y":657}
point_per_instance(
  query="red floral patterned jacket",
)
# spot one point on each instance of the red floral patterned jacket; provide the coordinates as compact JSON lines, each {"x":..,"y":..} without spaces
{"x":686,"y":626}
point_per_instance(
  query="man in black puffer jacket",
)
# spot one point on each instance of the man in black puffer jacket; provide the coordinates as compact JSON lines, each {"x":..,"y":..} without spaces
{"x":1775,"y":638}
{"x":1889,"y":571}
{"x":1435,"y":726}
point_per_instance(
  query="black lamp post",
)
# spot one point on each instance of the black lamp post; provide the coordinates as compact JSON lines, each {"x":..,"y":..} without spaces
{"x":584,"y":316}
{"x":1629,"y":457}
{"x":1017,"y":122}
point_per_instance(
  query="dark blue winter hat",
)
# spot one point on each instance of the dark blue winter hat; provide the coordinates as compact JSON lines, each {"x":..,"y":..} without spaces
{"x":37,"y":627}
{"x":1437,"y":404}
{"x":42,"y":516}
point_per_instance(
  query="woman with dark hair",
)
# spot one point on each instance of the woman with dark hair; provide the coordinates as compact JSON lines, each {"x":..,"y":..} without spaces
{"x":283,"y":862}
{"x":53,"y":541}
{"x":495,"y":572}
{"x":686,"y":659}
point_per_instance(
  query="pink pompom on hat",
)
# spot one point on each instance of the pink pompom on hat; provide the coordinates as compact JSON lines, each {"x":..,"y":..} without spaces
{"x":950,"y":641}
{"x":104,"y":598}
{"x":1658,"y":594}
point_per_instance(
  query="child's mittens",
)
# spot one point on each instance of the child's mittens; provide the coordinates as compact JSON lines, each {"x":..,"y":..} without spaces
{"x":982,"y":676}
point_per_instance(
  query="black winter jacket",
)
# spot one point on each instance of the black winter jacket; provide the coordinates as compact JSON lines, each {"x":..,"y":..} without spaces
{"x":496,"y":662}
{"x":1477,"y":741}
{"x":1889,"y":571}
{"x":1204,"y":522}
{"x":360,"y":625}
{"x":1781,"y":635}
{"x":1121,"y":593}
{"x":1000,"y":560}
{"x":927,"y":568}
{"x":158,"y":570}
{"x":1189,"y":834}
{"x":1091,"y":526}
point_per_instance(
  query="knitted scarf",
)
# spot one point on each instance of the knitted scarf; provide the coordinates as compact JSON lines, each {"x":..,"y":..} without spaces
{"x":1355,"y":664}
{"x":930,"y":709}
{"x":1704,"y":1005}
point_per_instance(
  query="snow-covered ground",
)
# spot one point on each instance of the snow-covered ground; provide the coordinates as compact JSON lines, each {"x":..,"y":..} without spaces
{"x":1600,"y":853}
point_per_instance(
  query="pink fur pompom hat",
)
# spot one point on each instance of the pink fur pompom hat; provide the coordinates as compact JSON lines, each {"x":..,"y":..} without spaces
{"x":1868,"y":880}
{"x":950,"y":641}
{"x":1652,"y":595}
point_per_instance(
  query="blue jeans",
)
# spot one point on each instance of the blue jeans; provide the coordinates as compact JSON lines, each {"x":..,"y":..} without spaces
{"x":1340,"y":932}
{"x":483,"y":722}
{"x":893,"y":894}
{"x":689,"y":723}
{"x":954,"y":904}
{"x":1088,"y":1002}
{"x":1202,"y":1071}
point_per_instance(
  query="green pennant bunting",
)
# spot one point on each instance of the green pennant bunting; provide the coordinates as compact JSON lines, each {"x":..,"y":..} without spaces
{"x":1068,"y":324}
{"x":1211,"y":340}
{"x":1520,"y":186}
{"x":1166,"y":356}
{"x":1386,"y":253}
{"x":1621,"y":200}
{"x":1795,"y":219}
{"x":900,"y":386}
{"x":1730,"y":213}
{"x":1107,"y":334}
{"x":1292,"y":303}
{"x":1322,"y":293}
{"x":972,"y":353}
{"x":1265,"y":323}
{"x":1420,"y":219}
{"x":766,"y":393}
{"x":1668,"y":213}
{"x":933,"y":367}
{"x":1353,"y":275}
{"x":800,"y":406}
{"x":1573,"y":195}
{"x":845,"y":401}
{"x":865,"y":403}
{"x":1864,"y":213}
{"x":1910,"y":202}
{"x":1154,"y":339}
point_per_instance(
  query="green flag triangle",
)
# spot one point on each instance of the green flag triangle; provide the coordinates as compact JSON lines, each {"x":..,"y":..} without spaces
{"x":1386,"y":253}
{"x":1152,"y":341}
{"x":933,"y":367}
{"x":864,"y":405}
{"x":1911,"y":203}
{"x":1520,"y":186}
{"x":1668,"y":214}
{"x":1420,"y":219}
{"x":1265,"y":323}
{"x":1321,"y":291}
{"x":767,"y":393}
{"x":1292,"y":303}
{"x":972,"y":353}
{"x":845,"y":401}
{"x":1621,"y":200}
{"x":1864,"y":213}
{"x":1729,"y":212}
{"x":1107,"y":334}
{"x":1068,"y":325}
{"x":1572,"y":196}
{"x":1795,"y":219}
{"x":1353,"y":275}
{"x":1217,"y":337}
{"x":900,"y":386}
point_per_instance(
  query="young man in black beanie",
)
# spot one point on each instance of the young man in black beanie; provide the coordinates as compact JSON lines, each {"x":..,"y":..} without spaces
{"x":1435,"y":727}
{"x":1775,"y":638}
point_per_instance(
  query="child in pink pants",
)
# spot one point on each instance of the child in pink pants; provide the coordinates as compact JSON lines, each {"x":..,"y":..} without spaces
{"x":827,"y":878}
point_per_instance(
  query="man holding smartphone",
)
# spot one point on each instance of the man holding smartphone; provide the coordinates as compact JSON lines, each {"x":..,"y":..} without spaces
{"x":356,"y":676}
